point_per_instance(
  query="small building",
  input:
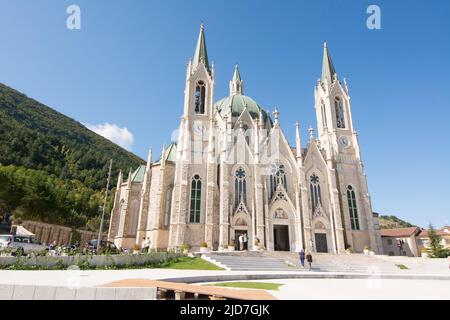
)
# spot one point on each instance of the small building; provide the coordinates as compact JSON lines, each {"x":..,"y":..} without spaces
{"x":401,"y":241}
{"x":423,"y":239}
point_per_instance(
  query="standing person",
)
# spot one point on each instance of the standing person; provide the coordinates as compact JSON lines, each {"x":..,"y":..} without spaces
{"x":309,"y":259}
{"x":245,"y":242}
{"x":241,"y":241}
{"x":302,"y":257}
{"x":148,"y":245}
{"x":143,"y":245}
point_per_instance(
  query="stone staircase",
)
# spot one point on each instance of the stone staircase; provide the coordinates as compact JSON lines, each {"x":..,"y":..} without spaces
{"x":246,"y":261}
{"x":324,"y":262}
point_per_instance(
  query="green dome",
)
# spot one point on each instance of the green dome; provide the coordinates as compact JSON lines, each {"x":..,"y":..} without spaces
{"x":236,"y":104}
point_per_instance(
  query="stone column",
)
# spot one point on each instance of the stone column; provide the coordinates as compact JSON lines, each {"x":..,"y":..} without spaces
{"x":298,"y":223}
{"x":335,"y":208}
{"x":369,"y":213}
{"x":224,"y":223}
{"x":210,"y":187}
{"x":145,"y":200}
{"x":306,"y":212}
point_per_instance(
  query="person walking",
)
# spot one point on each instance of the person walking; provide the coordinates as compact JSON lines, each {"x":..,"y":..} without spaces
{"x":302,"y":257}
{"x":309,"y":259}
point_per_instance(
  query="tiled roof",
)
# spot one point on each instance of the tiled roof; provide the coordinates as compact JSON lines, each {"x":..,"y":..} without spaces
{"x":399,"y":232}
{"x":424,"y":233}
{"x":138,"y":174}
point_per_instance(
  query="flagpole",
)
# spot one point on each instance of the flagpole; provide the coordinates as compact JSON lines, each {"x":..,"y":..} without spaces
{"x":104,"y":207}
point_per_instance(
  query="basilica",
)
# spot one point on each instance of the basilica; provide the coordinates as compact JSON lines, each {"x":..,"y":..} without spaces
{"x":232,"y":172}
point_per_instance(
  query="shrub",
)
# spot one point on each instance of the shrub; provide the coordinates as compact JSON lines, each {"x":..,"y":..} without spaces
{"x":185,"y":247}
{"x":203,"y":245}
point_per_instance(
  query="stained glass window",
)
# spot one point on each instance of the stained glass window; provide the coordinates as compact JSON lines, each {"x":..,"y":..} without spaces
{"x":196,"y":197}
{"x":240,"y":187}
{"x":316,"y":197}
{"x":352,"y":207}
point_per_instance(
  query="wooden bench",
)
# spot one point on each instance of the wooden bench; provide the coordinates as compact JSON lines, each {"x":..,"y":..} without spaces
{"x":182,"y":291}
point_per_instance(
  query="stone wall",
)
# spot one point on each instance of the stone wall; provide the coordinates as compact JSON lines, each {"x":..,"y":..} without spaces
{"x":48,"y":233}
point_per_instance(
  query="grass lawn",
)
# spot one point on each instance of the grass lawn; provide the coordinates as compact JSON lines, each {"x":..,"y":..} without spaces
{"x":187,"y":263}
{"x":249,"y":285}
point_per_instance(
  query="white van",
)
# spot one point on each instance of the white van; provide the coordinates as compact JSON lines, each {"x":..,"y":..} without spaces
{"x":24,"y":244}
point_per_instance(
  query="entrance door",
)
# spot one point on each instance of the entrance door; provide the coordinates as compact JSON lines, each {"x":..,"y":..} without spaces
{"x":321,"y":242}
{"x":237,"y":233}
{"x":281,"y":238}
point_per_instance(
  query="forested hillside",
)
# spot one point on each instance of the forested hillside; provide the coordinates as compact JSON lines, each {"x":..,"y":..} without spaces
{"x":392,"y":222}
{"x":52,"y":167}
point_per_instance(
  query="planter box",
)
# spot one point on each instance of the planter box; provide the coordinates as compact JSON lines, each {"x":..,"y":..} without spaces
{"x":424,"y":254}
{"x":203,"y":250}
{"x":366,"y":252}
{"x":230,"y":248}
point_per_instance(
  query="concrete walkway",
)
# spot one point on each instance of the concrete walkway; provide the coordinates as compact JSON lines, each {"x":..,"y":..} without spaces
{"x":360,"y":289}
{"x":298,"y":284}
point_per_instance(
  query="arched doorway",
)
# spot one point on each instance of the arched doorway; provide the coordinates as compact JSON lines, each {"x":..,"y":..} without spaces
{"x":320,"y":237}
{"x":281,"y":239}
{"x":238,"y":228}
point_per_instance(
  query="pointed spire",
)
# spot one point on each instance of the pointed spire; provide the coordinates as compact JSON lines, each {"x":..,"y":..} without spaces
{"x":119,"y":180}
{"x":276,"y":114}
{"x":298,"y":143}
{"x":149,"y":159}
{"x":311,"y":133}
{"x":163,"y":156}
{"x":260,"y":119}
{"x":201,"y":55}
{"x":328,"y":71}
{"x":236,"y":84}
{"x":129,"y":178}
{"x":236,"y":75}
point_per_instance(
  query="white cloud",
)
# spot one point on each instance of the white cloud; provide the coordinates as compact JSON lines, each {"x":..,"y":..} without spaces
{"x":121,"y":136}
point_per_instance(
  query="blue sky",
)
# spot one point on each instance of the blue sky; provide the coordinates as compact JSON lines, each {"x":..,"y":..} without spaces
{"x":126,"y":66}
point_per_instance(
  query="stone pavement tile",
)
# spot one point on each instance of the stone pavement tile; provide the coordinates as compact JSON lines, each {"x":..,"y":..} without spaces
{"x":44,"y":293}
{"x":23,"y":292}
{"x":85,"y":293}
{"x":105,"y":294}
{"x":143,"y":294}
{"x":6,"y":291}
{"x":63,"y":293}
{"x":123,"y":293}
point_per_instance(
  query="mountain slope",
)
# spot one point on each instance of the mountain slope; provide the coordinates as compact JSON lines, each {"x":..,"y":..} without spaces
{"x":392,"y":222}
{"x":52,"y":168}
{"x":35,"y":136}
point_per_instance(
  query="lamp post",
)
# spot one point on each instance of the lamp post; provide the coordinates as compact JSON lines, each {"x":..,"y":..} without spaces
{"x":104,"y":207}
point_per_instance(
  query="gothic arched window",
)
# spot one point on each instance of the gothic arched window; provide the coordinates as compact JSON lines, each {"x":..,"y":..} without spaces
{"x":339,"y":109}
{"x":240,"y":187}
{"x":314,"y":186}
{"x":277,"y":177}
{"x":196,"y":199}
{"x":200,"y":91}
{"x":352,"y":207}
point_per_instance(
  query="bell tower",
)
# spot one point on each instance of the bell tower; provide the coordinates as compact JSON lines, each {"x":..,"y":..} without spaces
{"x":199,"y":87}
{"x":352,"y":208}
{"x":333,"y":113}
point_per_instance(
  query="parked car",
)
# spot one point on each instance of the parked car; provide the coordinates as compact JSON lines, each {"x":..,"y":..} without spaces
{"x":22,"y":244}
{"x":104,"y":246}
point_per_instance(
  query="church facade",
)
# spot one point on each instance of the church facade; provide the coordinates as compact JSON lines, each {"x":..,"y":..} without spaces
{"x":232,"y":171}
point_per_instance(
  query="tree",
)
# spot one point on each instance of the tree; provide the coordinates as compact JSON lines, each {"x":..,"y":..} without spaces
{"x":437,"y":249}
